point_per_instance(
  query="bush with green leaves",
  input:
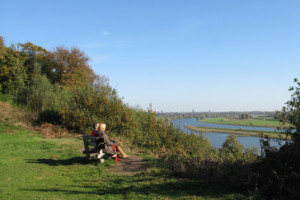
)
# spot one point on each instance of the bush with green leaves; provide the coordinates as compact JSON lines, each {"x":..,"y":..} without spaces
{"x":50,"y":116}
{"x":277,"y":175}
{"x":40,"y":94}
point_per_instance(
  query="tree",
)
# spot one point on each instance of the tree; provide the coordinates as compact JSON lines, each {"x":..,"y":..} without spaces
{"x":2,"y":60}
{"x":290,"y":113}
{"x":42,"y":95}
{"x":11,"y":69}
{"x":2,"y":50}
{"x":31,"y":54}
{"x":17,"y":65}
{"x":279,"y":171}
{"x":232,"y":149}
{"x":71,"y":68}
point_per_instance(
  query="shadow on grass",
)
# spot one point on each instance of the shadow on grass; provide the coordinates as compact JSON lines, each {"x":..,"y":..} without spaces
{"x":57,"y":162}
{"x":171,"y":190}
{"x":149,"y":186}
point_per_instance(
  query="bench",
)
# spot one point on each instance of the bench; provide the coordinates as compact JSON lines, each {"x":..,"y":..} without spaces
{"x":91,"y":147}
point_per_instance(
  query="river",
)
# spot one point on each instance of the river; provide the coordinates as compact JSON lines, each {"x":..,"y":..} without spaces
{"x":217,"y":139}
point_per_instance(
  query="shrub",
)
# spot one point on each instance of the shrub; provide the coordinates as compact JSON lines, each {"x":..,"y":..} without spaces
{"x":231,"y":150}
{"x":49,"y":116}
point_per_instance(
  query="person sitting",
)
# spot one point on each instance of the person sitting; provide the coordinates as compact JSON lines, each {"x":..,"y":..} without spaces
{"x":109,"y":143}
{"x":96,"y":127}
{"x":99,"y":141}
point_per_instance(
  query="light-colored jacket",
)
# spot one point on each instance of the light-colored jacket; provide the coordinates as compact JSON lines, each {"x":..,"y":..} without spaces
{"x":106,"y":139}
{"x":108,"y":143}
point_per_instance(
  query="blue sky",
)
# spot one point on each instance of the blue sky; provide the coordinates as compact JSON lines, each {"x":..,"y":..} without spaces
{"x":179,"y":55}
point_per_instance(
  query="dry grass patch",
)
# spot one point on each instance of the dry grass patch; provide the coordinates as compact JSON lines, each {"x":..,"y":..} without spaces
{"x":52,"y":131}
{"x":15,"y":116}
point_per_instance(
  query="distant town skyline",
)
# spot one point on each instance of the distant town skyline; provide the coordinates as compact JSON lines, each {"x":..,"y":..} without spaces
{"x":176,"y":55}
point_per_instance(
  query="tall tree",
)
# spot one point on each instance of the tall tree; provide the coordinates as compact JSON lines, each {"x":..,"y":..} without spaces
{"x":31,"y":54}
{"x":71,"y":67}
{"x":291,"y":113}
{"x":2,"y":50}
{"x":11,"y":68}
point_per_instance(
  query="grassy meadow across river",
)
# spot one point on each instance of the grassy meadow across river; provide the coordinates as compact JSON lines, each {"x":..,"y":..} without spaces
{"x":259,"y":121}
{"x":240,"y":132}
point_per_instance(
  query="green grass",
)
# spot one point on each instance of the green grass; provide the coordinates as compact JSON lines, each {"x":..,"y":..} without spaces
{"x":258,"y":122}
{"x":5,"y":98}
{"x":235,"y":131}
{"x":32,"y":167}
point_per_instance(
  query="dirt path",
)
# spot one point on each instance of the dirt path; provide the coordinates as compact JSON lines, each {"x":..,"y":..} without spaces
{"x":129,"y":166}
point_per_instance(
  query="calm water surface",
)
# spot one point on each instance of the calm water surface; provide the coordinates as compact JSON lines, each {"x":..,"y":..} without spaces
{"x":217,"y":139}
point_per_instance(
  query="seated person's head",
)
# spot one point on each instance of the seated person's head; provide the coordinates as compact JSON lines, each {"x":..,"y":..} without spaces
{"x":96,"y":126}
{"x":102,"y":127}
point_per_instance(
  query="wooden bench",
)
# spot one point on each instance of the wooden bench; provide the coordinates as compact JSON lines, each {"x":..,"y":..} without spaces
{"x":91,"y":147}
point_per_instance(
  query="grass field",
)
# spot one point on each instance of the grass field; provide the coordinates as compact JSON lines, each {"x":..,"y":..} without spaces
{"x":235,"y":131}
{"x":258,"y":122}
{"x":33,"y":167}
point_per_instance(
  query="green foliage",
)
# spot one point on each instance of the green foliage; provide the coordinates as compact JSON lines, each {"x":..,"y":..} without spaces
{"x":69,"y":67}
{"x":231,"y":165}
{"x":291,"y":113}
{"x":232,"y":150}
{"x":50,"y":116}
{"x":149,"y":128}
{"x":278,"y":173}
{"x":42,"y":95}
{"x":235,"y":163}
{"x":5,"y":98}
{"x":30,"y":55}
{"x":78,"y":113}
{"x":11,"y":70}
{"x":97,"y":104}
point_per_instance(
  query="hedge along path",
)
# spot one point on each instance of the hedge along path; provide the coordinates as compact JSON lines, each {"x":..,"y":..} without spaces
{"x":129,"y":166}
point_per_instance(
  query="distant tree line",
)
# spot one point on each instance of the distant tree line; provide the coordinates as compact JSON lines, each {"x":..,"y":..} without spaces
{"x":205,"y":115}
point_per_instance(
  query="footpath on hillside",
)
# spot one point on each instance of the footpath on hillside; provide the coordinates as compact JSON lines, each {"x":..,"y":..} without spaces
{"x":129,"y":166}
